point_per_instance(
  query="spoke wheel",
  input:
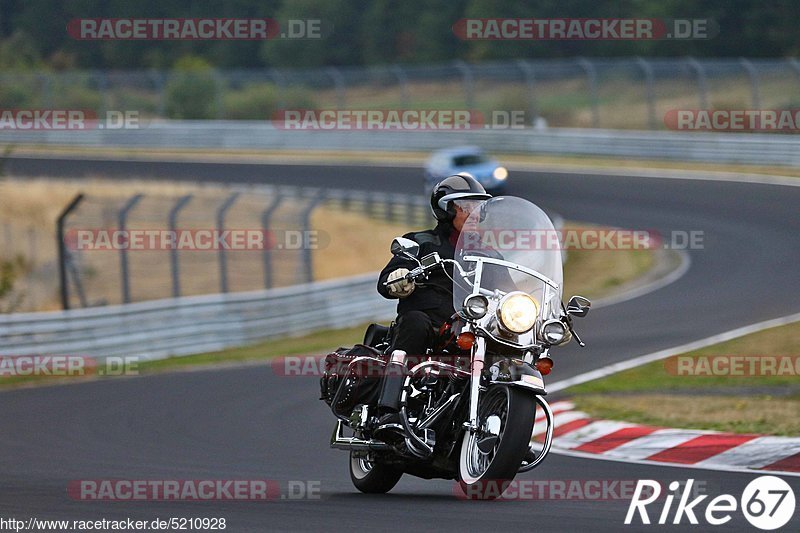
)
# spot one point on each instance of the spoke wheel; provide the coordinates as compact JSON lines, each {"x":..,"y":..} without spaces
{"x":489,"y":458}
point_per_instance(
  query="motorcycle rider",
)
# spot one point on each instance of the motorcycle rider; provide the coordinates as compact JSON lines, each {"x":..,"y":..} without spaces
{"x":424,"y":305}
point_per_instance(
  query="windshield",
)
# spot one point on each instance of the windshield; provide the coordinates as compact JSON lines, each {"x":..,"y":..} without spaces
{"x":514,"y":230}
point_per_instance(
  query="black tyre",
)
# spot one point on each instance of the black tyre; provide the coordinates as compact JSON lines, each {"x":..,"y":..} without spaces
{"x":485,"y":474}
{"x":372,"y":478}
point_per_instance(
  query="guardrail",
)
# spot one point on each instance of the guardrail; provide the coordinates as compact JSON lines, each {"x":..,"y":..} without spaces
{"x":195,"y":324}
{"x":158,"y":329}
{"x":724,"y":148}
{"x":621,"y":92}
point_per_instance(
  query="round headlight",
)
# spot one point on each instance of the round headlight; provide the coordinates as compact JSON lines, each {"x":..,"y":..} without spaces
{"x":500,"y":173}
{"x":554,"y":332}
{"x":475,"y":306}
{"x":518,"y":312}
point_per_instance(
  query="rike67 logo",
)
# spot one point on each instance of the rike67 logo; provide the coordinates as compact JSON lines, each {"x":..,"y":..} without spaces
{"x":767,"y":502}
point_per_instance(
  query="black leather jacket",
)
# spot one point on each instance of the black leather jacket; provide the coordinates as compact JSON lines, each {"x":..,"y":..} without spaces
{"x":434,"y":295}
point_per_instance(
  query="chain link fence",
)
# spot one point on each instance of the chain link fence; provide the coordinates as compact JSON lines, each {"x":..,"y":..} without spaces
{"x":117,"y":250}
{"x":630,"y":93}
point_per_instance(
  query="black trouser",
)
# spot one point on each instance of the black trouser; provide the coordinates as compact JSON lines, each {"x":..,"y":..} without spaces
{"x":414,"y":334}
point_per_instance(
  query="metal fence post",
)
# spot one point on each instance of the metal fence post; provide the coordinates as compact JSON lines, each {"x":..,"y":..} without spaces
{"x":795,"y":64}
{"x":280,"y":81}
{"x":753,"y":75}
{"x":702,"y":84}
{"x":369,"y":200}
{"x":266,"y":217}
{"x":649,"y":92}
{"x":160,"y":81}
{"x":591,"y":77}
{"x":388,"y":208}
{"x":63,"y":253}
{"x":402,"y":80}
{"x":219,"y":87}
{"x":47,"y":93}
{"x":469,"y":83}
{"x":33,"y":255}
{"x":411,"y":210}
{"x":223,"y":265}
{"x":341,"y":89}
{"x":122,"y":217}
{"x":530,"y":85}
{"x":102,"y":83}
{"x":172,"y":222}
{"x":307,"y":255}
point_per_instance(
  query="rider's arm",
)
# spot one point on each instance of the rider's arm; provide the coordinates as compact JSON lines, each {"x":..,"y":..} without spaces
{"x":395,"y":263}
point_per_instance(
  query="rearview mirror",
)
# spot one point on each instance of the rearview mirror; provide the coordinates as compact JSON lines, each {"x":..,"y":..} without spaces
{"x":578,"y":306}
{"x":403,"y":246}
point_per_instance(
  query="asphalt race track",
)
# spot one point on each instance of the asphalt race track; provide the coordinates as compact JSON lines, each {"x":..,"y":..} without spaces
{"x":250,"y":423}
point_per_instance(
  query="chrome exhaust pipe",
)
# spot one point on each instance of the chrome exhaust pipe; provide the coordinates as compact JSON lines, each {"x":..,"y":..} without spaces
{"x":340,"y":442}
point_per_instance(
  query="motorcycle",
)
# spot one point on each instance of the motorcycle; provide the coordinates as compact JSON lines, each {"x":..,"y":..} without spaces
{"x":468,"y":406}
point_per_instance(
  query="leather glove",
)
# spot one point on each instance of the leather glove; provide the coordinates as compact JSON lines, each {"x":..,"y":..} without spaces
{"x":403,"y":288}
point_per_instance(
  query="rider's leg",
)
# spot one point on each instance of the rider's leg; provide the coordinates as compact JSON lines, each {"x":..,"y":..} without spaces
{"x":414,"y":335}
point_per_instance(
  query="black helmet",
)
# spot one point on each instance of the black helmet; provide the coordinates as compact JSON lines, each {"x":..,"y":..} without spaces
{"x":458,"y":186}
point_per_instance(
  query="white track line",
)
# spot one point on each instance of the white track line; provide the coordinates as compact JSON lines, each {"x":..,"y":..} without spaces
{"x":662,"y":354}
{"x":671,"y":277}
{"x":697,"y":466}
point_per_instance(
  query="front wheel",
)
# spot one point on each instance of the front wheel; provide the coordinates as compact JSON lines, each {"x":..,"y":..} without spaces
{"x":372,"y":478}
{"x":490,"y":458}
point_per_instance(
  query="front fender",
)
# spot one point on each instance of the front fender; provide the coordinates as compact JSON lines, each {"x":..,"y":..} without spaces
{"x":522,"y":376}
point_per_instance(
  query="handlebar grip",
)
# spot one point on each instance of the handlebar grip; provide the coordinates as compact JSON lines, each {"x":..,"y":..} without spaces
{"x":412,"y":274}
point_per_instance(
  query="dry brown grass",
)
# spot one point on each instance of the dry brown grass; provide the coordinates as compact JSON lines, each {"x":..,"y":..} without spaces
{"x":350,"y":243}
{"x":566,"y":103}
{"x":356,"y":245}
{"x":596,"y":273}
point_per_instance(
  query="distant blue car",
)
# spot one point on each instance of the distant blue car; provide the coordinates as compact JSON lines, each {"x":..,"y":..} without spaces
{"x":472,"y":159}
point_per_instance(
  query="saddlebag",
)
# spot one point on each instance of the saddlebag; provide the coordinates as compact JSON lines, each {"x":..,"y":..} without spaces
{"x":343,"y":386}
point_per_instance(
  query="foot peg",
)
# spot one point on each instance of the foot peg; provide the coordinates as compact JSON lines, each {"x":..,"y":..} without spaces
{"x":429,"y":436}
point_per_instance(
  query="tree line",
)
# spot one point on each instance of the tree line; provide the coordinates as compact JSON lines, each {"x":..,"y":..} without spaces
{"x":33,"y":33}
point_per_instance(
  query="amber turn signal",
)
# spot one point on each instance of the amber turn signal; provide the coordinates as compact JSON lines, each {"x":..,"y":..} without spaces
{"x":465,"y":340}
{"x":544,"y":365}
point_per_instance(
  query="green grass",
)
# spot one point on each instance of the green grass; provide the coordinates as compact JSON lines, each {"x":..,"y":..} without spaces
{"x":651,"y":394}
{"x":752,"y":414}
{"x":315,"y":343}
{"x":783,"y":340}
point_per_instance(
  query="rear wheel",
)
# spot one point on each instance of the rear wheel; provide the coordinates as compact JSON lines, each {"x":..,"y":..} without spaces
{"x":490,"y":458}
{"x":370,"y":477}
